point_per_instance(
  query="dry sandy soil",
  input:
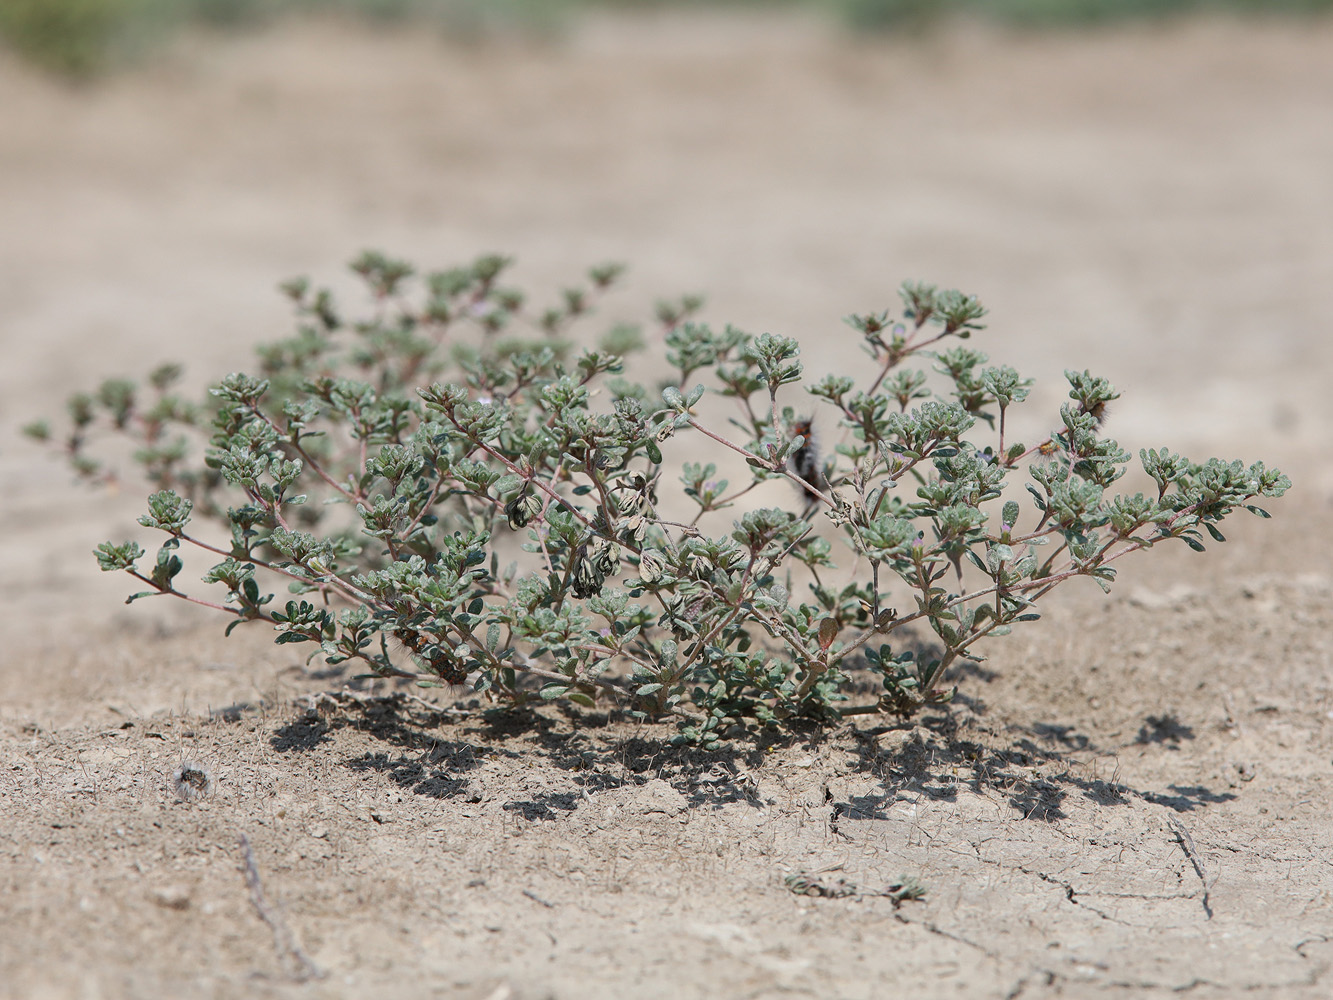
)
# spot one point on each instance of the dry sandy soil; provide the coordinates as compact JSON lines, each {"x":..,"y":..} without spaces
{"x":1129,"y":799}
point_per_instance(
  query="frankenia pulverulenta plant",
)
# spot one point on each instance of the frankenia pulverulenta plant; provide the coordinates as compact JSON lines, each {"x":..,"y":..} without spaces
{"x":454,"y":491}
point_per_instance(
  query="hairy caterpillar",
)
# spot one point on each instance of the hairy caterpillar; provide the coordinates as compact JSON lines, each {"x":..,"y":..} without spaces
{"x":439,"y":662}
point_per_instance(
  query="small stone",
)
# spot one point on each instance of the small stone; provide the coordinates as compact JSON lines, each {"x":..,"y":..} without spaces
{"x":1152,"y":600}
{"x":171,"y":897}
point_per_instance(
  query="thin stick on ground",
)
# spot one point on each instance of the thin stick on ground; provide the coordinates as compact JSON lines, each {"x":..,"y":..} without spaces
{"x":1187,"y":845}
{"x":289,"y":951}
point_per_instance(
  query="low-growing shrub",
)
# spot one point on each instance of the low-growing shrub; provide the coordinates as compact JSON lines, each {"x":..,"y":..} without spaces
{"x":454,"y":492}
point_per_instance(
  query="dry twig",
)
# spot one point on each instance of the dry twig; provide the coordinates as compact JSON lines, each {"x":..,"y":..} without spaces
{"x":1187,"y":845}
{"x":289,"y":951}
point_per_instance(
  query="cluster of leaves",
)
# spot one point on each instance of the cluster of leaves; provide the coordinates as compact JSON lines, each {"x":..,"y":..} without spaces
{"x":452,"y":491}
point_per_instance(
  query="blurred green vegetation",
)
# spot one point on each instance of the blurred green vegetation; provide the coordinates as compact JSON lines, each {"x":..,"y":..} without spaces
{"x":82,"y":38}
{"x":72,"y":37}
{"x":1057,"y":13}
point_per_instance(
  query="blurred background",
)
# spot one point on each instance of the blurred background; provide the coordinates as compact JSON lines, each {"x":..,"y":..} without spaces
{"x":1143,"y":188}
{"x":83,"y":37}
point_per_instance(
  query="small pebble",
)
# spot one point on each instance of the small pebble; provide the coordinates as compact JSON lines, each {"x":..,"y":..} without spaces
{"x":172,"y":897}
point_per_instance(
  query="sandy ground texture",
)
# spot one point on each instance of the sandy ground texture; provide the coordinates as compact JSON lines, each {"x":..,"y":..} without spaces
{"x":1131,"y":798}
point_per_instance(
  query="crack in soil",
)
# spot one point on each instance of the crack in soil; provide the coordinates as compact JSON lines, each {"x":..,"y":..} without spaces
{"x":1071,"y":892}
{"x":935,"y":928}
{"x":1299,"y":946}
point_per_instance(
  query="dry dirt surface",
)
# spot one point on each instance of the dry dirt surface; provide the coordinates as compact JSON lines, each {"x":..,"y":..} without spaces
{"x":1130,"y":798}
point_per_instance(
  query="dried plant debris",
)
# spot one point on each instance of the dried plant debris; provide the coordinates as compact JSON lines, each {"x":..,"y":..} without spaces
{"x":807,"y":884}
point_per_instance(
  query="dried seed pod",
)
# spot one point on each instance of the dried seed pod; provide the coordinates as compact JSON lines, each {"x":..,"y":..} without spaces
{"x":587,"y":581}
{"x":828,"y":631}
{"x":652,"y":564}
{"x":522,"y":509}
{"x":634,"y":530}
{"x":606,"y":557}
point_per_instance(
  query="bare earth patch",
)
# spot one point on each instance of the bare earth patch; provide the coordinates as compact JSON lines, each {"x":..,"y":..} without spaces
{"x":1130,"y":798}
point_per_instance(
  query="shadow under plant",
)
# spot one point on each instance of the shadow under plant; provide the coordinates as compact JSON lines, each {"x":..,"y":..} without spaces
{"x":439,"y":754}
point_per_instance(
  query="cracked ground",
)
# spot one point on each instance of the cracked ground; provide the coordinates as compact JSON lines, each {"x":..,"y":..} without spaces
{"x":1129,"y":798}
